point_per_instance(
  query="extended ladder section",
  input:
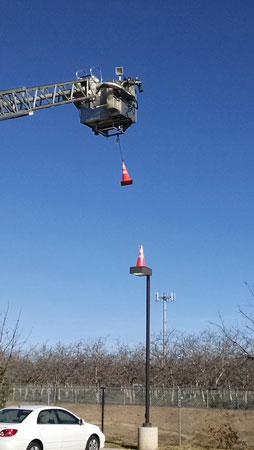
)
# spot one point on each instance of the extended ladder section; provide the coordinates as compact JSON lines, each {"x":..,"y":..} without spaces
{"x":108,"y":108}
{"x":24,"y":101}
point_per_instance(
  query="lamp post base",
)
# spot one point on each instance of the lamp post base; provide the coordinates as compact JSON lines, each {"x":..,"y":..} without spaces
{"x":148,"y":438}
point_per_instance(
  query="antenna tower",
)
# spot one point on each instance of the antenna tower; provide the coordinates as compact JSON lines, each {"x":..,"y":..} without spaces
{"x":164,"y":299}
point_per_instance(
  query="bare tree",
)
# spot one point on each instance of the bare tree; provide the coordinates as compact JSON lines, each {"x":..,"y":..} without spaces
{"x":129,"y":365}
{"x":242,"y":337}
{"x":9,"y":344}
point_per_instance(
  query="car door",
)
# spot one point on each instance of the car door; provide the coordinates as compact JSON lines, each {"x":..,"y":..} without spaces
{"x":73,"y":433}
{"x":49,"y":430}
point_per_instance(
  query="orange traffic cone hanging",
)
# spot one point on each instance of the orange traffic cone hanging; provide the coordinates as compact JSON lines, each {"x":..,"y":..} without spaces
{"x":126,"y":179}
{"x":141,"y":258}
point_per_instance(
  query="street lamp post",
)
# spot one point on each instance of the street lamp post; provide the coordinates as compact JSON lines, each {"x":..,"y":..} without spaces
{"x":147,"y":435}
{"x":143,"y":271}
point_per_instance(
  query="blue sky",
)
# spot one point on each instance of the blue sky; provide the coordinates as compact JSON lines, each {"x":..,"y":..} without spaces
{"x":68,"y":231}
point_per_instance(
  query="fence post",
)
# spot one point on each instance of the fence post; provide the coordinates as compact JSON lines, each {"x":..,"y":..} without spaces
{"x":102,"y":408}
{"x":236,"y":399}
{"x":49,"y":396}
{"x":179,"y":417}
{"x":13,"y":393}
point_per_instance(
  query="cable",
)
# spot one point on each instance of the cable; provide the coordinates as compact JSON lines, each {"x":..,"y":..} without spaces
{"x":120,"y":149}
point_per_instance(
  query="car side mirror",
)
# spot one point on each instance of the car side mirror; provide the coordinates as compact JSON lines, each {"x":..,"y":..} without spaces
{"x":81,"y":422}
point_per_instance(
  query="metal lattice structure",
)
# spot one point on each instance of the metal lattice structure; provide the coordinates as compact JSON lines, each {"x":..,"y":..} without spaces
{"x":24,"y":101}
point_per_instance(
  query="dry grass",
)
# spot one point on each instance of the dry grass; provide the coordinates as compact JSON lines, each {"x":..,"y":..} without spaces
{"x":121,"y":423}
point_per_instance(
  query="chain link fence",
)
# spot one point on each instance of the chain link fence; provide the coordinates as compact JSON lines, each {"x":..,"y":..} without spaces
{"x":190,"y":397}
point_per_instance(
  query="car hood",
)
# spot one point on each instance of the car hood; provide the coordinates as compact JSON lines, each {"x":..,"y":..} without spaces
{"x":91,"y":425}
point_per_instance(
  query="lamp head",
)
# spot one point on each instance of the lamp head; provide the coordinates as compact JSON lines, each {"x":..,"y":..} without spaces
{"x":141,"y":271}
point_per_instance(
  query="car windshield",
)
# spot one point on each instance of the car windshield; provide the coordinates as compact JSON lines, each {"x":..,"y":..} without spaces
{"x":13,"y":415}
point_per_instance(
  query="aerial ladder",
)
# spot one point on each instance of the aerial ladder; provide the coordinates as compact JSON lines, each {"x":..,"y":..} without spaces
{"x":107,"y":107}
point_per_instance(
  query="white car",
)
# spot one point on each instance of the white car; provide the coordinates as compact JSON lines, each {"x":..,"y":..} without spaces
{"x":46,"y":428}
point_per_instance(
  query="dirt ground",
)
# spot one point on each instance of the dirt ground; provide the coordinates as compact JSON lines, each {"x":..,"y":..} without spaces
{"x":121,"y":423}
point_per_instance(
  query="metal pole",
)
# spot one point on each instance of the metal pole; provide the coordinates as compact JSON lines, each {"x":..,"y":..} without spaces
{"x":146,"y":271}
{"x":164,"y":298}
{"x":49,"y":396}
{"x":164,"y":325}
{"x":147,"y":415}
{"x":179,"y":418}
{"x":102,"y":408}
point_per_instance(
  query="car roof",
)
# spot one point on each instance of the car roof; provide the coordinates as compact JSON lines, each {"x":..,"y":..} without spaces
{"x":32,"y":407}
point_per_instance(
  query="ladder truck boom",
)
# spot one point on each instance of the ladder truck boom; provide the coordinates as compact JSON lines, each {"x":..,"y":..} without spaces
{"x":108,"y":108}
{"x":24,"y":101}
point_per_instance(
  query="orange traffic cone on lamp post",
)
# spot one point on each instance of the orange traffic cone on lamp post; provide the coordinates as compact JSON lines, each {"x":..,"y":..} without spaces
{"x":126,"y":179}
{"x":141,"y":257}
{"x":140,"y":269}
